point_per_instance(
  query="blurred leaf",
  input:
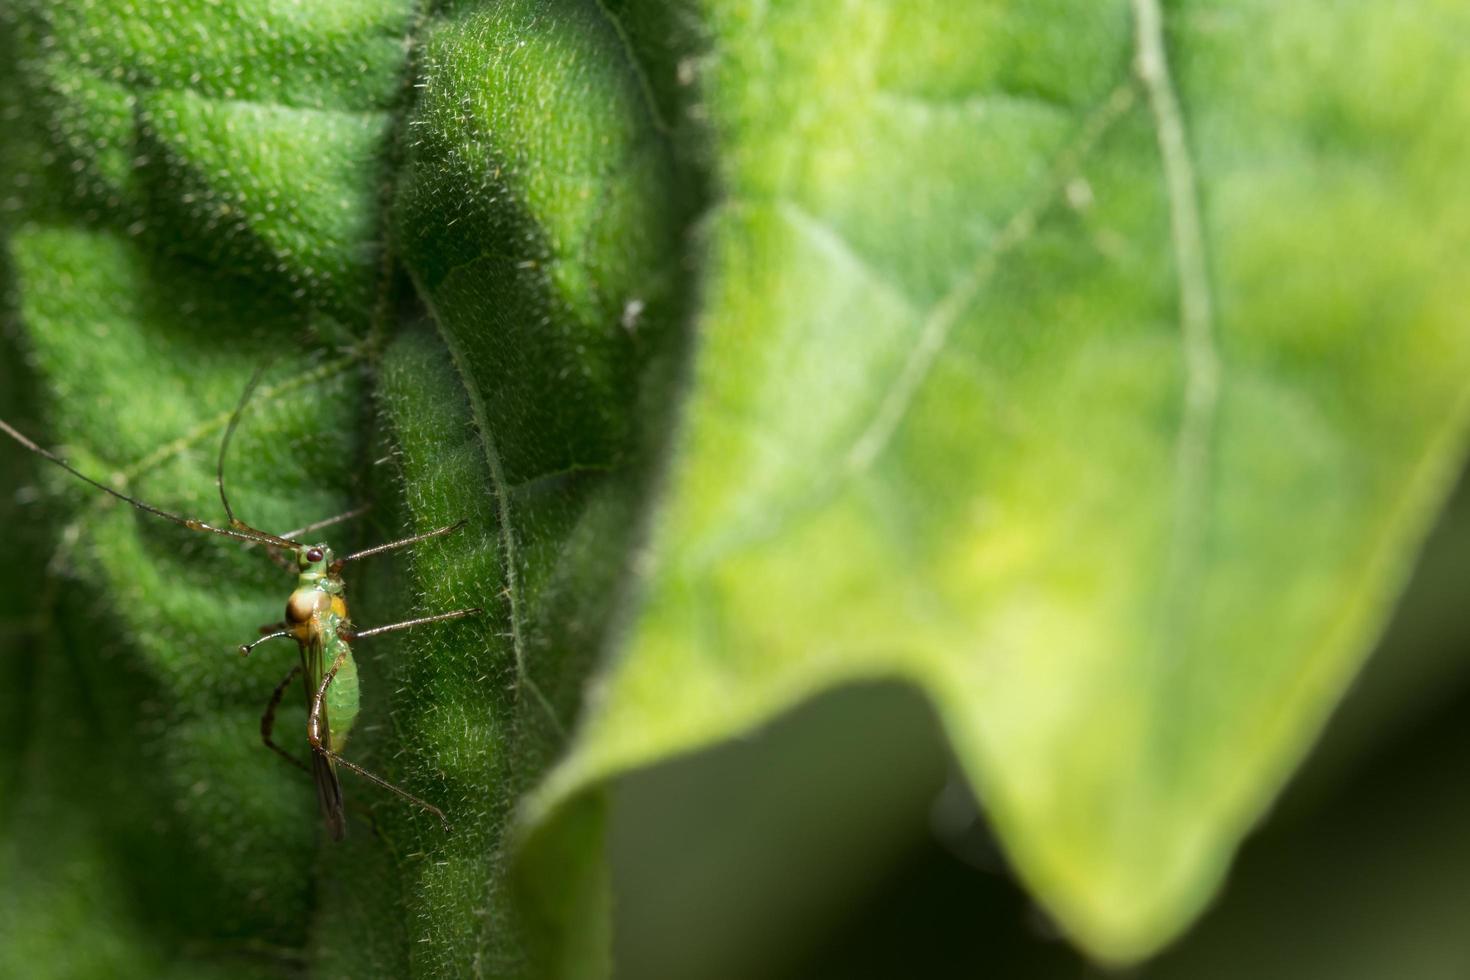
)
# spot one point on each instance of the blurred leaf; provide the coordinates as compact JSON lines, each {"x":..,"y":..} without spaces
{"x":1041,"y":362}
{"x":1360,"y":870}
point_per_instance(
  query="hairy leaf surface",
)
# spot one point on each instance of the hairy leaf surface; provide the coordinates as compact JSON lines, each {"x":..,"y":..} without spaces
{"x":1092,"y":369}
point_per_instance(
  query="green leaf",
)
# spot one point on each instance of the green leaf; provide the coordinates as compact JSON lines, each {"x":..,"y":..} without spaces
{"x":1042,"y":363}
{"x":530,"y":407}
{"x":188,"y":191}
{"x":1095,"y":370}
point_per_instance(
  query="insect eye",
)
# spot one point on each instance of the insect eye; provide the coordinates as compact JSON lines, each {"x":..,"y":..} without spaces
{"x":315,"y":554}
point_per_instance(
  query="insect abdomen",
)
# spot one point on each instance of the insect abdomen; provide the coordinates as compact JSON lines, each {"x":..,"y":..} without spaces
{"x":342,"y":697}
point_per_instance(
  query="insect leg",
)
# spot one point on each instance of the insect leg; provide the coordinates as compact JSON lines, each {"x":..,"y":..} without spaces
{"x":405,"y":542}
{"x":268,"y":720}
{"x":245,"y":648}
{"x":314,"y":736}
{"x":407,"y":623}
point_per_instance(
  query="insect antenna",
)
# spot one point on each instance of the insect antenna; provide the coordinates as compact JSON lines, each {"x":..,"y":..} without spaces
{"x":329,"y":521}
{"x":219,"y":465}
{"x":224,"y":444}
{"x":247,"y":534}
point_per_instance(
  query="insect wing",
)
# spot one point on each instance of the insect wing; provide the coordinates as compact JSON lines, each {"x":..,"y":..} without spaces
{"x":329,"y":795}
{"x":323,"y":771}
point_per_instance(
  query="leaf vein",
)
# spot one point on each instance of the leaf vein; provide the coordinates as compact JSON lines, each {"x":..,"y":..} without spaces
{"x":943,"y":315}
{"x":827,"y":236}
{"x":142,"y":87}
{"x":645,"y":85}
{"x":1194,"y":441}
{"x":508,"y":545}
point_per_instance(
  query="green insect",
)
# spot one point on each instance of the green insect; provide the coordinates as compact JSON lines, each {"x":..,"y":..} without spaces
{"x":316,"y":618}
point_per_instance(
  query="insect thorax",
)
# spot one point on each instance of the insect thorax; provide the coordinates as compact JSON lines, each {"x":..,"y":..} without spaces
{"x":315,"y":605}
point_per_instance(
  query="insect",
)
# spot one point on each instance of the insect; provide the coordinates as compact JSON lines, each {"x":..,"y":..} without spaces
{"x":316,"y":618}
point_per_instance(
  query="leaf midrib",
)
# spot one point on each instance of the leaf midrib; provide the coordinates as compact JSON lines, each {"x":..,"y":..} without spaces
{"x":506,"y":531}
